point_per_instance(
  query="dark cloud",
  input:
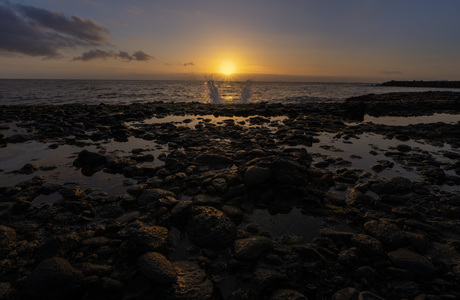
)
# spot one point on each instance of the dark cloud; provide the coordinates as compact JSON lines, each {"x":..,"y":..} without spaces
{"x":125,"y":56}
{"x":87,"y":32}
{"x":189,"y":64}
{"x":95,"y":54}
{"x":141,"y":56}
{"x":39,"y":32}
{"x":103,"y":54}
{"x":35,"y":31}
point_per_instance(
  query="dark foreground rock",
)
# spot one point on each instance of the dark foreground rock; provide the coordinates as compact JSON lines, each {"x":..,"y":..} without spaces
{"x":191,"y":209}
{"x":54,"y":278}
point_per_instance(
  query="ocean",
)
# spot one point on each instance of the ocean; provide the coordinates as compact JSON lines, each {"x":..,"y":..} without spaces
{"x":44,"y":91}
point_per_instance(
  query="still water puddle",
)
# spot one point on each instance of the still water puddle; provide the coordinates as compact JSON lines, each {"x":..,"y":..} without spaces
{"x":368,"y":149}
{"x":56,"y":165}
{"x":292,"y":222}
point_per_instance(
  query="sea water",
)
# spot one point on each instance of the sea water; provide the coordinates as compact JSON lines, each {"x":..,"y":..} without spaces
{"x":32,"y":92}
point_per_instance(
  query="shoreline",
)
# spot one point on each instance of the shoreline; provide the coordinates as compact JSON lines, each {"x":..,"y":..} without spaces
{"x":423,"y":83}
{"x":171,"y":200}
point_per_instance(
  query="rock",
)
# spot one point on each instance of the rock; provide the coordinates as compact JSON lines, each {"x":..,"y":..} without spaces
{"x":255,"y":176}
{"x":210,"y":228}
{"x":394,"y":186}
{"x":418,"y":241}
{"x":6,"y":290}
{"x":267,"y":280}
{"x":214,"y":161}
{"x":365,"y":273}
{"x":20,"y":138}
{"x":387,"y":233}
{"x":192,"y":282}
{"x":71,"y":192}
{"x":366,"y":295}
{"x":220,"y":185}
{"x":348,"y":257}
{"x":180,"y":211}
{"x":97,"y":241}
{"x":251,"y":248}
{"x":348,"y":293}
{"x":54,"y":278}
{"x":207,"y":200}
{"x":89,"y":159}
{"x":403,"y":148}
{"x":28,"y":169}
{"x":383,"y":164}
{"x":128,"y":217}
{"x":286,"y":294}
{"x":233,"y":212}
{"x":136,"y":190}
{"x":7,"y":240}
{"x":157,"y":267}
{"x":111,"y":286}
{"x":342,"y":237}
{"x":411,"y":261}
{"x":433,"y":174}
{"x":20,"y":206}
{"x":58,"y":246}
{"x":149,"y":238}
{"x":151,"y":195}
{"x":404,"y":289}
{"x":355,"y":197}
{"x":89,"y":269}
{"x":369,"y":245}
{"x":445,"y":254}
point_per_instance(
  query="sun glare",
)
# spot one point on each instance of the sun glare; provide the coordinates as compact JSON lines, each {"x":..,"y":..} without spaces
{"x":227,"y":67}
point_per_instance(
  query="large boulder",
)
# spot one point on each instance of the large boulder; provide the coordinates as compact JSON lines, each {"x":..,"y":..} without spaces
{"x":151,"y":195}
{"x":89,"y":159}
{"x":192,"y":282}
{"x":252,"y":247}
{"x":54,"y":278}
{"x":148,"y":238}
{"x":255,"y":176}
{"x":387,"y":233}
{"x":368,"y":245}
{"x":411,"y":261}
{"x":210,"y":228}
{"x":157,"y":267}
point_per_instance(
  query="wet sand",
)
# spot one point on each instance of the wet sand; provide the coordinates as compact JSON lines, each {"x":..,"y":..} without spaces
{"x":254,"y":201}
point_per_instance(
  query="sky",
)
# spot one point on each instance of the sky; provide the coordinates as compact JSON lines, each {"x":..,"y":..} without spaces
{"x":289,"y":40}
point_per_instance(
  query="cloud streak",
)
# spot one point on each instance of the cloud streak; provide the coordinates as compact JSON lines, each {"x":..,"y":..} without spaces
{"x":104,"y":54}
{"x":34,"y":31}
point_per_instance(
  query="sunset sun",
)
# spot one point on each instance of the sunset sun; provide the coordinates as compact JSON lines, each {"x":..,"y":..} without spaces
{"x":227,"y":67}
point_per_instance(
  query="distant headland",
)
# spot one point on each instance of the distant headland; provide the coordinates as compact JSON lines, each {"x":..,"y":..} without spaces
{"x":422,"y":83}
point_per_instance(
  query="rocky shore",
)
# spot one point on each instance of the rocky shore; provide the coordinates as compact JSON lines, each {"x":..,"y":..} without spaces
{"x":422,"y":83}
{"x":170,"y":200}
